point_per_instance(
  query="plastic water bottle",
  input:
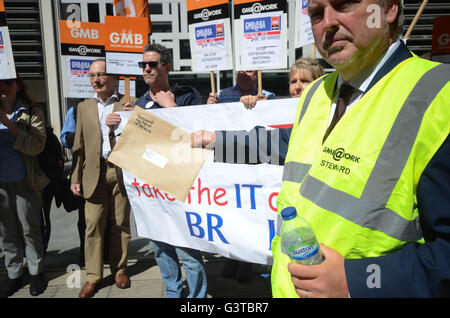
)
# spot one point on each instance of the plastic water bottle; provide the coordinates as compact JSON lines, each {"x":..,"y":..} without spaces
{"x":298,"y":240}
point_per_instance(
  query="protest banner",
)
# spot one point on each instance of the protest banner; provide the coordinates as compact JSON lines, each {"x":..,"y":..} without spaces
{"x":210,"y":35}
{"x":81,"y":44}
{"x":231,"y":208}
{"x":7,"y":67}
{"x":303,"y":29}
{"x":260,"y":34}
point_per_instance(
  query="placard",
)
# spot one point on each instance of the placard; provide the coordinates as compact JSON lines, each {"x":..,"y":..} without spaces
{"x":7,"y":67}
{"x":125,"y":42}
{"x":260,"y":36}
{"x":81,"y":44}
{"x":210,"y":35}
{"x":303,"y":29}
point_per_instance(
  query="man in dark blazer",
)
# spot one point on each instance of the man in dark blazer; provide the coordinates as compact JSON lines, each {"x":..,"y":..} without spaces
{"x":100,"y":182}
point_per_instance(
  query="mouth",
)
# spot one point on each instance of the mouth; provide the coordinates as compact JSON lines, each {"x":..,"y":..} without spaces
{"x":336,"y":42}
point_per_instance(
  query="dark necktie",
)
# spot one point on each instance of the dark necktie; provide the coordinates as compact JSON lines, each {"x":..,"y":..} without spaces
{"x":345,"y":92}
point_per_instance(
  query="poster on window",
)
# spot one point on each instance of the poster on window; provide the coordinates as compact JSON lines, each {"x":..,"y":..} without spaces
{"x":7,"y":68}
{"x":260,"y":35}
{"x":210,"y":35}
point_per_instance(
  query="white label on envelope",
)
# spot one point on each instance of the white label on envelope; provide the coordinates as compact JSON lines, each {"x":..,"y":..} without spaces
{"x":155,"y":158}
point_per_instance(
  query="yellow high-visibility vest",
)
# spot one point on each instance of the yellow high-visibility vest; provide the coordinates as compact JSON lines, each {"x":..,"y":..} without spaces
{"x":358,"y":189}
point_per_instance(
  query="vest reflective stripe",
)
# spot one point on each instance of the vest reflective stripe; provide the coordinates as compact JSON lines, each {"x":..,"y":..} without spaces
{"x":402,"y":136}
{"x":295,"y":171}
{"x":383,"y":178}
{"x":308,"y":97}
{"x":378,"y":217}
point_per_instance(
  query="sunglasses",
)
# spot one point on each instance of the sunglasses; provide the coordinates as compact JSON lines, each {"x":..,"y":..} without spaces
{"x":8,"y":82}
{"x":151,"y":64}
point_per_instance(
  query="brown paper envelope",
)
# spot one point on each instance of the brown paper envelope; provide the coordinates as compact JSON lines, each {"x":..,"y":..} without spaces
{"x":159,"y":153}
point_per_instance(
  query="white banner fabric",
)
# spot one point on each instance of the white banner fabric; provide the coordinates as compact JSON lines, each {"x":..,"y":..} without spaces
{"x":231,"y":208}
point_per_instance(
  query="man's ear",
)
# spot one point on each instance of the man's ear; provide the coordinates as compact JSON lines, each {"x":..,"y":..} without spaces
{"x":391,"y":11}
{"x":169,"y":67}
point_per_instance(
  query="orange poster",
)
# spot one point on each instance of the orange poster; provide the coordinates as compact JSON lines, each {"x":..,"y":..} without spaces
{"x":243,"y":1}
{"x":2,"y":6}
{"x":89,"y":33}
{"x":124,"y":34}
{"x":133,"y":9}
{"x":200,"y":4}
{"x":441,"y":36}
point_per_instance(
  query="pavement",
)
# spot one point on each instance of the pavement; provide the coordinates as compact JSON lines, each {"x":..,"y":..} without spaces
{"x":65,"y":277}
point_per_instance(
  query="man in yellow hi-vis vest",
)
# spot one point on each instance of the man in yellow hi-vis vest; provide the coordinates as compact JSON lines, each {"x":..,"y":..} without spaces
{"x":369,"y":170}
{"x":368,"y":162}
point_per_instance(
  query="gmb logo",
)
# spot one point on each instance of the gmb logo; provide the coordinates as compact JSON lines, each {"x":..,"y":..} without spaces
{"x":340,"y":153}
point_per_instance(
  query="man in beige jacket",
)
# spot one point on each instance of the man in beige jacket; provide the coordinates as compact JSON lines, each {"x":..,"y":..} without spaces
{"x":100,"y":182}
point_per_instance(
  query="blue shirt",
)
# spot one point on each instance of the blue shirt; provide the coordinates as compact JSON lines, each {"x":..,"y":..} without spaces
{"x":184,"y":96}
{"x":68,"y":127}
{"x":12,"y":166}
{"x":234,"y":94}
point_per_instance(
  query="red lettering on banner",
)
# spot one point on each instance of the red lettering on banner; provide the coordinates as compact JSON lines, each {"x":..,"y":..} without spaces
{"x":136,"y":184}
{"x":217,"y":196}
{"x":169,"y":197}
{"x":273,"y":208}
{"x":200,"y":192}
{"x":156,"y":190}
{"x":149,"y":190}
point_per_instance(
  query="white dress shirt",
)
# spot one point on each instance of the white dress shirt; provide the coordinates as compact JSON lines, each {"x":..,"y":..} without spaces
{"x":104,"y":109}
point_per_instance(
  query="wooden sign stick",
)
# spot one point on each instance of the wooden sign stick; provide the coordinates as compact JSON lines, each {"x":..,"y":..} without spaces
{"x":259,"y":82}
{"x":213,"y":83}
{"x":416,"y":18}
{"x":127,"y":90}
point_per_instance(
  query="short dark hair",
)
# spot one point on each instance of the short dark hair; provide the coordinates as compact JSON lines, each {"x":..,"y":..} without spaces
{"x":166,"y":55}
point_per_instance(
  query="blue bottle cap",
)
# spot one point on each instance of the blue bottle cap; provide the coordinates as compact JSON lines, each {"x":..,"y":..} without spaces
{"x":289,"y":213}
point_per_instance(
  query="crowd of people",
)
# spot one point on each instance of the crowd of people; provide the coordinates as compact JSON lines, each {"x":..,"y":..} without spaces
{"x":382,"y":102}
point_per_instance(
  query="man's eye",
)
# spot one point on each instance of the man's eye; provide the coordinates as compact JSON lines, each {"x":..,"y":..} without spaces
{"x":315,"y":16}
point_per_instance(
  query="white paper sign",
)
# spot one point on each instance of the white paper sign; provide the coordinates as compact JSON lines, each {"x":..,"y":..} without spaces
{"x":77,"y":77}
{"x":7,"y":68}
{"x":123,"y":63}
{"x":260,"y":40}
{"x":211,"y":45}
{"x":231,"y":208}
{"x":303,"y":29}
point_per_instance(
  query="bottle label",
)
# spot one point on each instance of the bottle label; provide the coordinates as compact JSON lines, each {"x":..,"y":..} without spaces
{"x":304,"y":251}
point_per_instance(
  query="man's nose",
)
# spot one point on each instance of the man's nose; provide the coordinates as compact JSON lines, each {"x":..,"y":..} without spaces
{"x":330,"y":18}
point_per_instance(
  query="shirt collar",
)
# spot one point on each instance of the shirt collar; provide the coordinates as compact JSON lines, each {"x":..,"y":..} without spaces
{"x":111,"y":99}
{"x":363,"y":79}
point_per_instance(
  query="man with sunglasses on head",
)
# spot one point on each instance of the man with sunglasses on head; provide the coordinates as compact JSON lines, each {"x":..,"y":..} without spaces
{"x":100,"y":182}
{"x":156,"y":64}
